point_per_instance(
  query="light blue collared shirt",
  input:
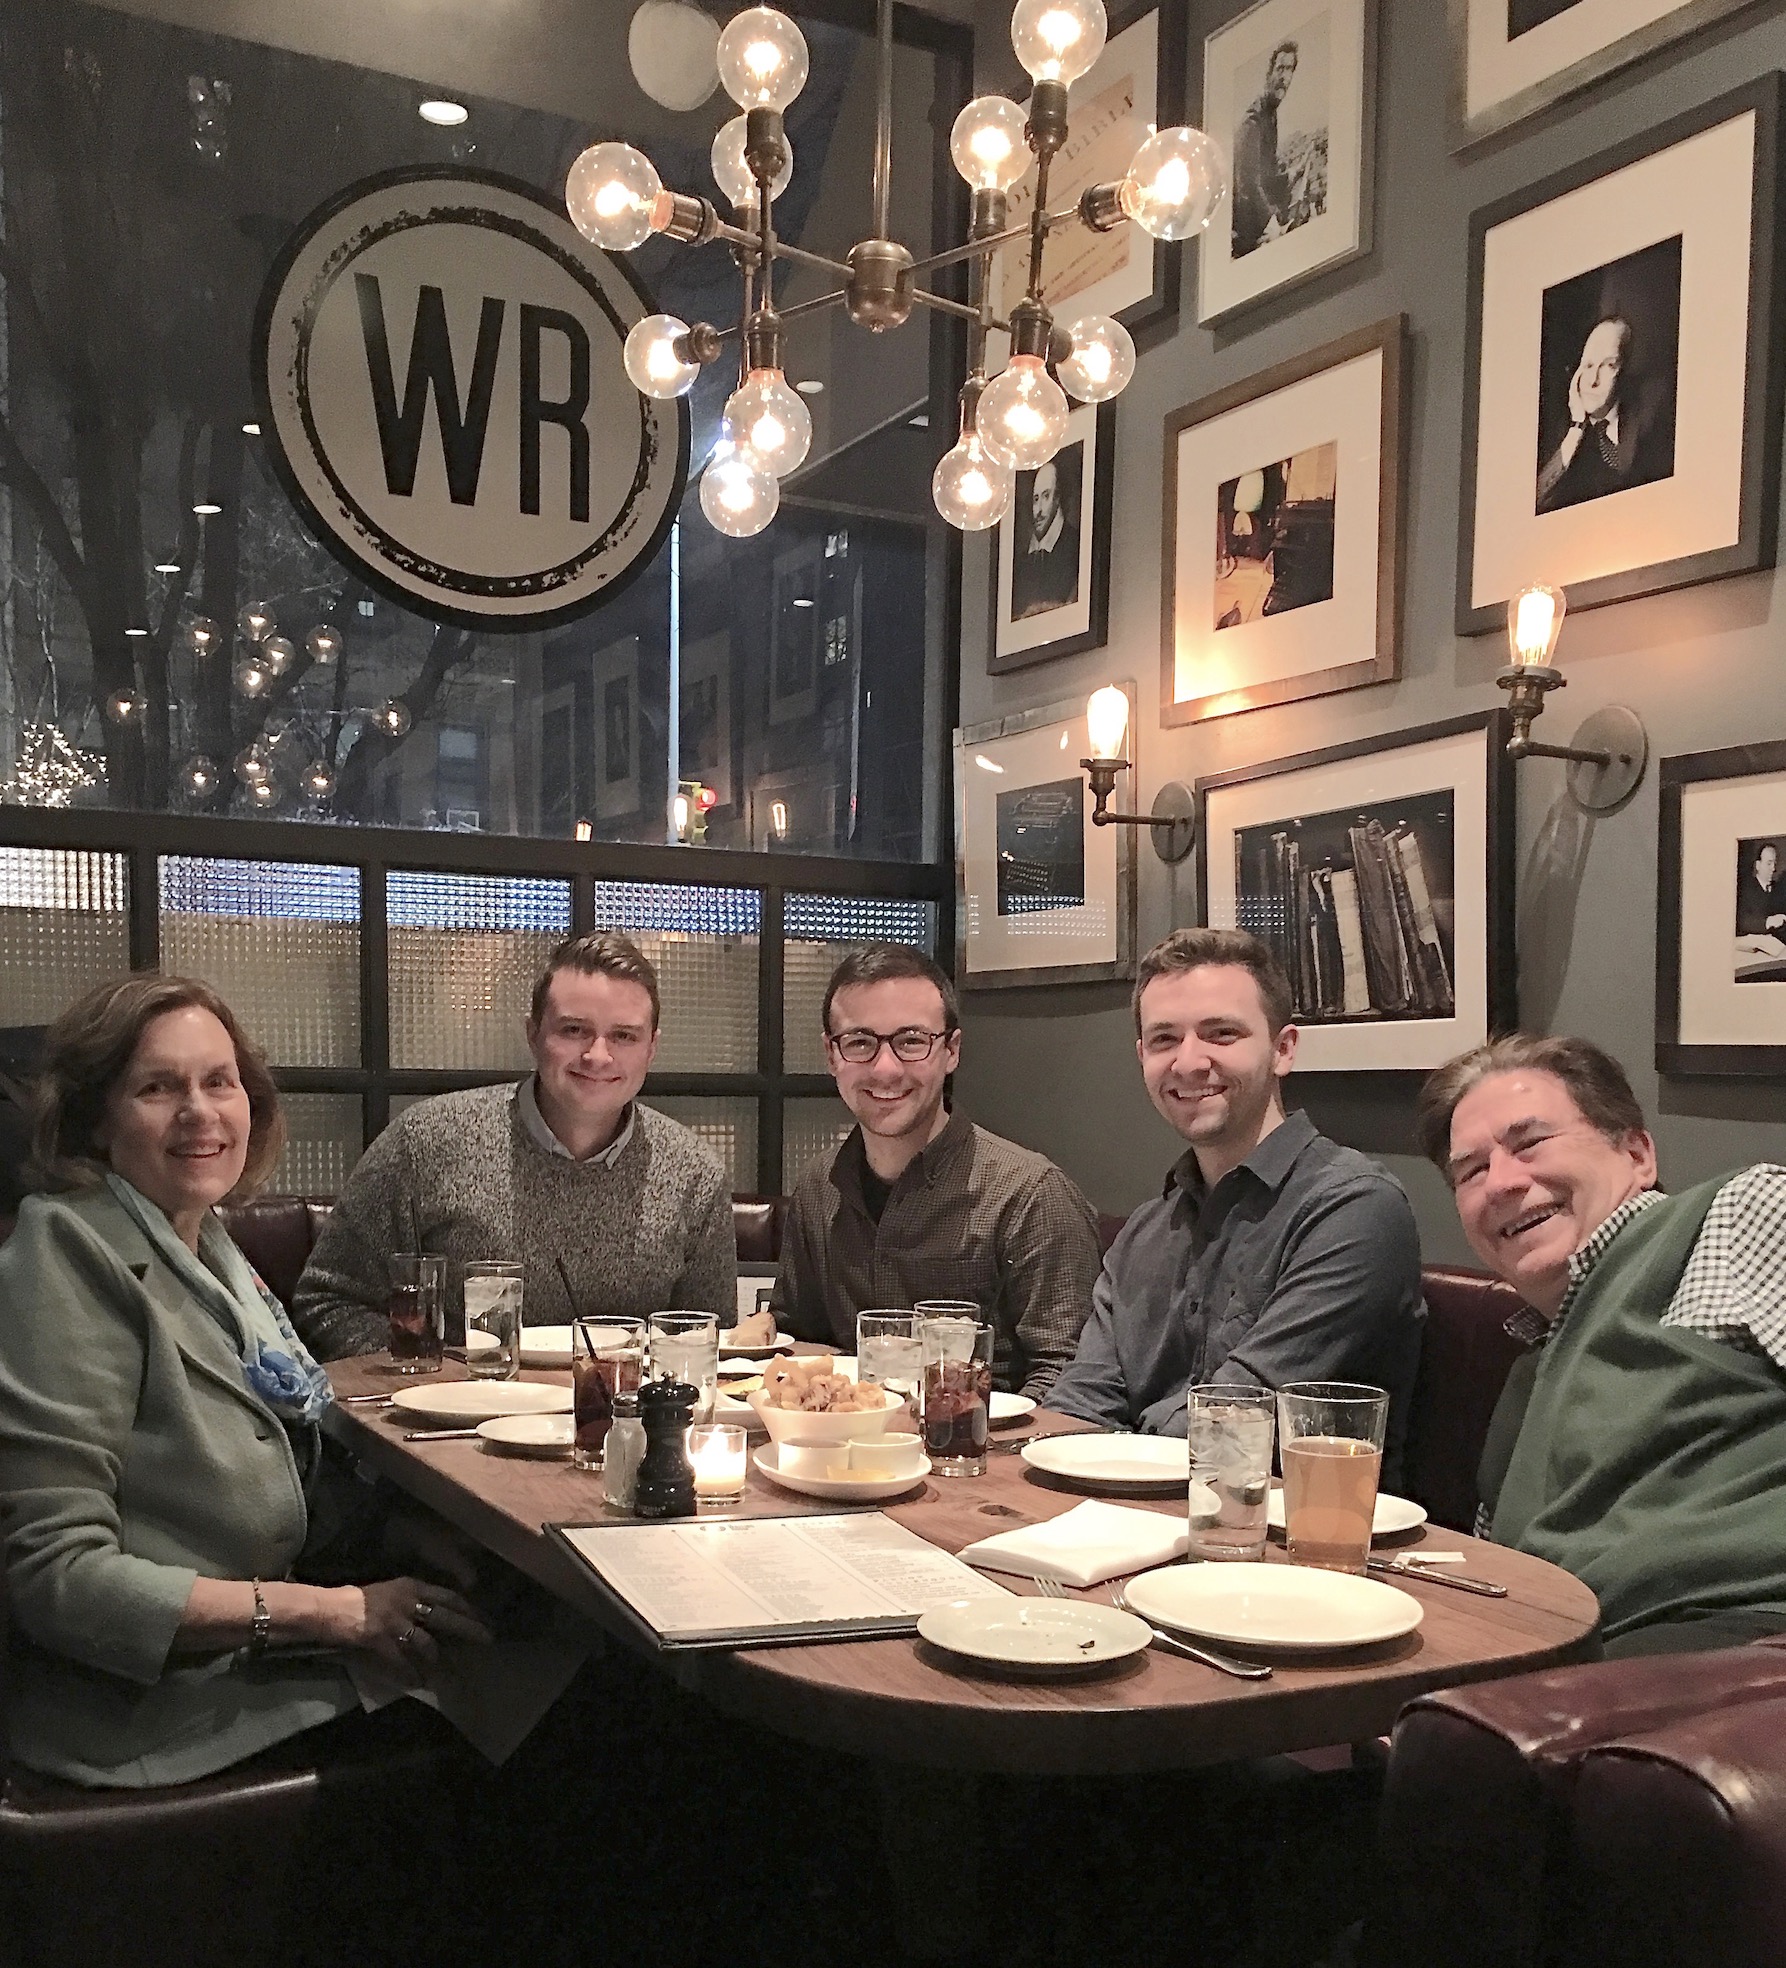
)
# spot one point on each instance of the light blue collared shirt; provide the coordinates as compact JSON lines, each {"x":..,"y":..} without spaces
{"x":542,"y":1137}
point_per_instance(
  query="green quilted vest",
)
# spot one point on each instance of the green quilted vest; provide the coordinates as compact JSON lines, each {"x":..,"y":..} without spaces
{"x":1651,"y":1462}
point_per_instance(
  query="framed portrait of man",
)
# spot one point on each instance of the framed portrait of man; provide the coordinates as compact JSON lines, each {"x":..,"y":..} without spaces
{"x":1051,"y":552}
{"x":1289,"y":92}
{"x":614,"y":681}
{"x":1623,"y":376}
{"x":1512,"y":58}
{"x":1721,"y":913}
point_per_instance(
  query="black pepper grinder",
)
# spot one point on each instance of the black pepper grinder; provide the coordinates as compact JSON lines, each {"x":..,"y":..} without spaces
{"x":666,"y":1486}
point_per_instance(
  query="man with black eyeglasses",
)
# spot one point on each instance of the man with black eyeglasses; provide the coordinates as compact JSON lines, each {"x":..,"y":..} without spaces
{"x":920,"y":1203}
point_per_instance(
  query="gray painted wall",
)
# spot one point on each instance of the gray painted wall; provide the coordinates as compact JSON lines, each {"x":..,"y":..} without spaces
{"x":1703,"y":666}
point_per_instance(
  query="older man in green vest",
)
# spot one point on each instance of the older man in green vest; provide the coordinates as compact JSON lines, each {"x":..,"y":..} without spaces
{"x":1640,"y":1442}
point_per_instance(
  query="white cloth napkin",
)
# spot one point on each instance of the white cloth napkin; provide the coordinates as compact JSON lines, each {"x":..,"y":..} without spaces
{"x":1085,"y":1545}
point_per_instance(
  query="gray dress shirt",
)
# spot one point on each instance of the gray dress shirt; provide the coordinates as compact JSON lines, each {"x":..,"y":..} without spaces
{"x":1301,"y":1264}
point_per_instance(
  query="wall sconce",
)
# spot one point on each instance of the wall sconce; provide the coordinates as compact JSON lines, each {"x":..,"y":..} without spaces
{"x":1173,"y":818}
{"x":1611,"y":749}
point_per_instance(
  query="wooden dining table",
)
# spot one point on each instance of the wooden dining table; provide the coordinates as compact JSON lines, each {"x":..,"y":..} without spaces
{"x":906,"y":1702}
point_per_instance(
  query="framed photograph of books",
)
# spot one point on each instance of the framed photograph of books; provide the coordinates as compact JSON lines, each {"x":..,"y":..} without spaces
{"x":1288,"y":90}
{"x":1135,"y":87}
{"x":1283,"y":500}
{"x":1512,"y":58}
{"x":1381,"y":873}
{"x":1042,"y":896}
{"x":1623,"y":368}
{"x":1051,"y":552}
{"x":1721,"y":913}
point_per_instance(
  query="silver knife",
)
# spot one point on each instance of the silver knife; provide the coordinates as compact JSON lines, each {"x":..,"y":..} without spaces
{"x":1434,"y":1576}
{"x":440,"y":1435}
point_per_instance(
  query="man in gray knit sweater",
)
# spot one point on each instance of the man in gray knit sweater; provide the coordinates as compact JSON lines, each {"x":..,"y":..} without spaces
{"x":612,"y":1207}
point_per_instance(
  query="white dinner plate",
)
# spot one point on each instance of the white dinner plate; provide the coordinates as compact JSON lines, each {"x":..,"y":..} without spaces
{"x":1391,"y":1515}
{"x":731,"y":1350}
{"x":550,"y":1346}
{"x":1289,"y":1606}
{"x":466,"y":1401}
{"x":481,"y":1342}
{"x":1057,"y":1635}
{"x":548,"y":1435}
{"x":841,"y":1489}
{"x":1009,"y":1407}
{"x":1127,"y":1462}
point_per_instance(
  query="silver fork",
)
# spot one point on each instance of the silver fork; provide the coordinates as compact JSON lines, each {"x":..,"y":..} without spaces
{"x":1222,"y":1663}
{"x":1050,"y":1588}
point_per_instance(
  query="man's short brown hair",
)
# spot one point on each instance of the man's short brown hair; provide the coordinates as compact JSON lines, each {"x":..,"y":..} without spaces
{"x":605,"y":953}
{"x":1593,"y":1079}
{"x":880,"y":963}
{"x":1191,"y":949}
{"x":88,"y":1048}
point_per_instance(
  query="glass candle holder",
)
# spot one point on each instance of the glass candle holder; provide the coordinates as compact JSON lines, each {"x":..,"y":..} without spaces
{"x":716,"y":1455}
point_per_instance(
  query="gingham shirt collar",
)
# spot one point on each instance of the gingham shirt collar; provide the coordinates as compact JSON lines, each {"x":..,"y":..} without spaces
{"x":1529,"y":1326}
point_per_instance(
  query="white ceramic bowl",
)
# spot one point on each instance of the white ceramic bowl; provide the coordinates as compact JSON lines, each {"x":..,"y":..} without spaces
{"x":784,"y":1424}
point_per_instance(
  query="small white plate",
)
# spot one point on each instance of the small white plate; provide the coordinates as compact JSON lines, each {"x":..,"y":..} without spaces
{"x":1289,"y":1606}
{"x":736,"y":1367}
{"x":548,"y":1435}
{"x":550,"y":1346}
{"x":481,"y":1342}
{"x":466,"y":1401}
{"x":1005,"y":1408}
{"x":1128,"y":1462}
{"x":731,"y":1350}
{"x":739,"y":1413}
{"x":841,"y":1489}
{"x":1391,"y":1515}
{"x":1057,"y":1635}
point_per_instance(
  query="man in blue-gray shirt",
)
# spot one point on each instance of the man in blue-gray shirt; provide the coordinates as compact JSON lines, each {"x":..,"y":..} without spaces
{"x":1274,"y":1254}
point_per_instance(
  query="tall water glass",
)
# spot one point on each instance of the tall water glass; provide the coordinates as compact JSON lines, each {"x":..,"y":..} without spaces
{"x":493,"y":1289}
{"x":957,"y":1394}
{"x":416,"y":1306}
{"x":890,"y":1354}
{"x":607,"y":1358}
{"x":1230,"y":1430}
{"x":1332,"y":1437}
{"x":685,"y":1345}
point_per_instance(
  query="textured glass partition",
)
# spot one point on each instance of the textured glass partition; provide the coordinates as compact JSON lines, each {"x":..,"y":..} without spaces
{"x":322,"y":1144}
{"x":821,"y":931}
{"x":704,"y":944}
{"x":464,"y":953}
{"x":64,"y":925}
{"x":811,"y":1129}
{"x":727,"y":1126}
{"x":280,"y":940}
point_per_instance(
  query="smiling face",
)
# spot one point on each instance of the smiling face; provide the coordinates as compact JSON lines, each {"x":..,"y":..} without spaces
{"x":1534,"y":1178}
{"x":1211,"y":1063}
{"x":1602,"y":362}
{"x":894,"y":1099}
{"x":592,"y":1047}
{"x":177,"y":1120}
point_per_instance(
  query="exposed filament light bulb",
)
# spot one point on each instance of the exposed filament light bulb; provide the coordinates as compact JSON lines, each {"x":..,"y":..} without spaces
{"x":771,"y":421}
{"x":652,"y":361}
{"x":614,"y":197}
{"x":731,"y":169}
{"x":763,"y":60}
{"x":1102,"y":361}
{"x":738,"y":496}
{"x":1058,"y":40}
{"x":1107,"y":721}
{"x":1534,"y":622}
{"x":971,"y":492}
{"x":988,"y":143}
{"x":1174,"y":183}
{"x":1023,"y":415}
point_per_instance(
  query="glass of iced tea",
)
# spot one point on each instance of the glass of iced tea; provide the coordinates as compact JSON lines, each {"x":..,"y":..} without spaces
{"x":957,"y":1394}
{"x":1331,"y":1436}
{"x":607,"y":1358}
{"x":416,"y":1306}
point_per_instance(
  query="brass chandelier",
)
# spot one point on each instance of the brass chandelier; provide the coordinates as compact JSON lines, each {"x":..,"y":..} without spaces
{"x":1013,"y":422}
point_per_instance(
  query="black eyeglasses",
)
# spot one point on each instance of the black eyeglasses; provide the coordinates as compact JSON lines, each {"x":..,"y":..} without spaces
{"x":860,"y":1048}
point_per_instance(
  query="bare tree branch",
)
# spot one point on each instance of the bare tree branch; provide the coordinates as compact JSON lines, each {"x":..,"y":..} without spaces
{"x":17,"y":471}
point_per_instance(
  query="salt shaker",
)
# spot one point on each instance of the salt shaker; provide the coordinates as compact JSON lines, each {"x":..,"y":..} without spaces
{"x":625,"y":1450}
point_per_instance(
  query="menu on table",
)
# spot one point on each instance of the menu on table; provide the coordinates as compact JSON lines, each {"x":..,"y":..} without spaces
{"x":769,"y":1581}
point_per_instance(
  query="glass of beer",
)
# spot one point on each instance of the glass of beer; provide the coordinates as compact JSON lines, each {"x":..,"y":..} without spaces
{"x":1230,"y":1437}
{"x":416,"y":1306}
{"x":493,"y":1289}
{"x":957,"y":1394}
{"x":1331,"y":1434}
{"x":607,"y":1358}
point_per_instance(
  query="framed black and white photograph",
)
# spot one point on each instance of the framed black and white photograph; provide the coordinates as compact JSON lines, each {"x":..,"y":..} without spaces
{"x":1051,"y":552}
{"x":1283,"y":499}
{"x":614,"y":681}
{"x":1512,"y":58}
{"x":1721,"y":913}
{"x":704,"y":729}
{"x":1381,"y":875}
{"x":1622,"y":375}
{"x":1043,"y":896}
{"x":1135,"y":87}
{"x":1288,"y":90}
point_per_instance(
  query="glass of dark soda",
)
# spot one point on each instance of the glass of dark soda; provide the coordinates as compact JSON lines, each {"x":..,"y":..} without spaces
{"x":416,"y":1304}
{"x":957,"y":1394}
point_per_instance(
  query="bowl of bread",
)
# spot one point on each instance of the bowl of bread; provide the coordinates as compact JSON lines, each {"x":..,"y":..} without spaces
{"x":804,"y":1398}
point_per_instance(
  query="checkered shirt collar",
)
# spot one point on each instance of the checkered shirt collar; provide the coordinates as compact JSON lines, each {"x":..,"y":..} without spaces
{"x":1530,"y":1327}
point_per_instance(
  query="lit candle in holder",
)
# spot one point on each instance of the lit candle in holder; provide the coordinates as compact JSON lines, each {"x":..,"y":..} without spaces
{"x":716,"y":1455}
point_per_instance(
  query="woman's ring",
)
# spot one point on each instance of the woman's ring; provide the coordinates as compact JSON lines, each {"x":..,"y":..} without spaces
{"x":422,"y":1610}
{"x":406,"y":1636}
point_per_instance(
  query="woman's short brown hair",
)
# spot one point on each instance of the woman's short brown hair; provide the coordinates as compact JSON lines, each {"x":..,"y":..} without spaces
{"x":91,"y":1044}
{"x":1593,"y":1079}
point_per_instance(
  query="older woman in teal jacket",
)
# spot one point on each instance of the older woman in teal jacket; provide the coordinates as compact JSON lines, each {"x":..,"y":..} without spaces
{"x":159,"y":1448}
